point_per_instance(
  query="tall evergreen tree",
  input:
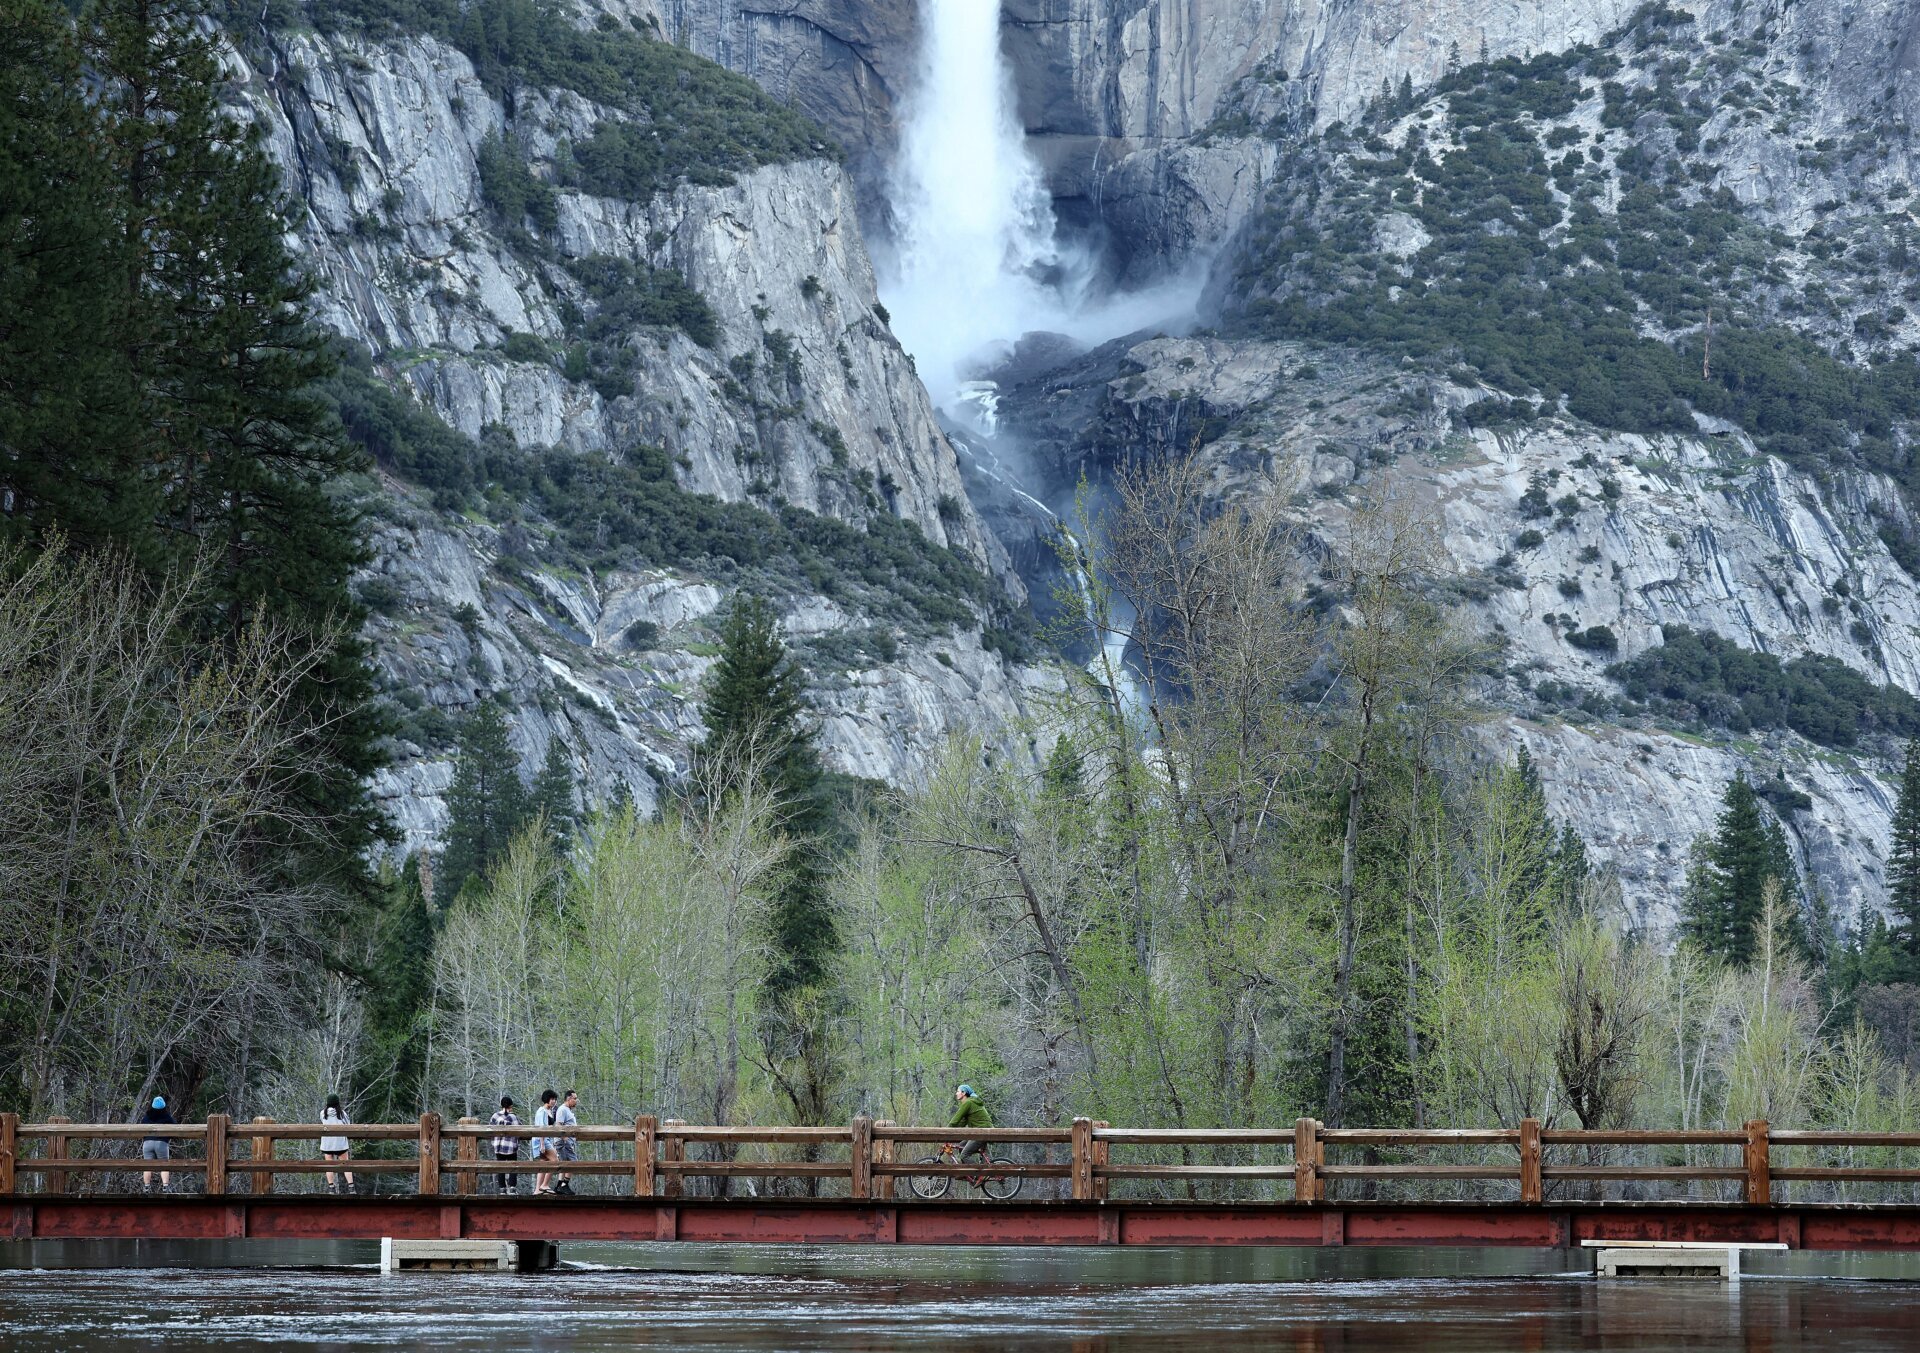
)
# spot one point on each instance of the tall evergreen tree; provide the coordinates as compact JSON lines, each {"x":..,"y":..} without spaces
{"x":755,"y":700}
{"x":552,"y":796}
{"x":1903,"y":856}
{"x":487,"y":805}
{"x":1727,"y":883}
{"x":399,"y":986}
{"x":157,"y":371}
{"x":63,"y":408}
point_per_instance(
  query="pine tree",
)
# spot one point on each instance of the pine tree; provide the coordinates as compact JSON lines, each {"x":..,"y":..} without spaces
{"x":1727,"y":882}
{"x":64,"y":416}
{"x":399,"y":986}
{"x":487,"y":804}
{"x":1404,"y":104}
{"x":755,"y":702}
{"x":1903,"y":856}
{"x":234,"y":454}
{"x":552,"y":796}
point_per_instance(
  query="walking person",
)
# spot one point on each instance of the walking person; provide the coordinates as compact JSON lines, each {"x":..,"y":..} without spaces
{"x":567,"y":1148}
{"x":334,"y":1147}
{"x":545,"y":1148}
{"x":506,"y":1148}
{"x":156,"y":1148}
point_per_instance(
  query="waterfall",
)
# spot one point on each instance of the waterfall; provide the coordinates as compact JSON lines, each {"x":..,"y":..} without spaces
{"x":974,"y":260}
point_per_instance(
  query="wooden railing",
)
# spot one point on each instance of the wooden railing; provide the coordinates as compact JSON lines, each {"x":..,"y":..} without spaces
{"x":868,"y":1158}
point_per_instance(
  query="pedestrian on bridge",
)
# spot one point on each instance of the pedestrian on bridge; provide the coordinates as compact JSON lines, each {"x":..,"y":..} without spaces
{"x":567,"y":1148}
{"x":506,"y":1148}
{"x":334,"y":1147}
{"x":156,"y":1148}
{"x":545,"y":1148}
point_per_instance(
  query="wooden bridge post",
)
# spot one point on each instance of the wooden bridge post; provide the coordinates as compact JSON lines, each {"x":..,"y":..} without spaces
{"x":217,"y":1124}
{"x":467,"y":1151}
{"x":1306,"y":1161}
{"x":262,"y":1151}
{"x":860,"y":1162}
{"x":1083,"y":1158}
{"x":1102,"y":1157}
{"x":1532,"y":1187}
{"x":1759,"y":1162}
{"x":673,"y":1150}
{"x":55,"y":1181}
{"x":9,"y":1144}
{"x":429,"y":1151}
{"x":646,"y":1132}
{"x":883,"y":1155}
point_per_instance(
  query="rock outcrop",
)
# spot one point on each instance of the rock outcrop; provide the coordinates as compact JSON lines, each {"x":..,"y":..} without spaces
{"x":801,"y":399}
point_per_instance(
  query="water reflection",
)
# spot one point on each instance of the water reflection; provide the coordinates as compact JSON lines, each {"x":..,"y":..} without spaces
{"x":619,"y":1297}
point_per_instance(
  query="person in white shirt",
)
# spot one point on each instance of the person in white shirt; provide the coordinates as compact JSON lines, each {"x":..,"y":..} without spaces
{"x":335,"y":1146}
{"x":545,"y":1148}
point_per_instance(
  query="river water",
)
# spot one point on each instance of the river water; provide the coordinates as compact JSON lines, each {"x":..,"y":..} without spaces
{"x":82,"y":1298}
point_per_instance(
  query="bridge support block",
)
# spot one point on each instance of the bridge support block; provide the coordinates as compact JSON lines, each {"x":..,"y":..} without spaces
{"x":467,"y":1256}
{"x":1668,"y":1263}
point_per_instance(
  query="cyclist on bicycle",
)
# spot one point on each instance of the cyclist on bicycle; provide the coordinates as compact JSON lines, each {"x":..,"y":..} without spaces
{"x":971,"y":1115}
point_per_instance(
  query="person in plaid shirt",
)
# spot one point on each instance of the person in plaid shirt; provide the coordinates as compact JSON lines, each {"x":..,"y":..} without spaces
{"x":506,"y":1148}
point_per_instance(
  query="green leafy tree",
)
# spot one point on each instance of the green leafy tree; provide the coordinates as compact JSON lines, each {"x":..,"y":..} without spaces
{"x":1903,"y":856}
{"x":487,"y":805}
{"x":1726,"y":883}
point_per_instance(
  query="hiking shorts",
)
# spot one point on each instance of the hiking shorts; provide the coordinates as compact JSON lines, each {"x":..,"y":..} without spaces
{"x":568,"y":1150}
{"x":156,"y":1150}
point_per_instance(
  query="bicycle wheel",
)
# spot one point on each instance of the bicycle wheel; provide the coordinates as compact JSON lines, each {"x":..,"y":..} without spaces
{"x":931,"y":1186}
{"x":999,"y":1187}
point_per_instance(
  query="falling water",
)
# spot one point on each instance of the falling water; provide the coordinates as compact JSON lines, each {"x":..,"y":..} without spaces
{"x":976,"y":260}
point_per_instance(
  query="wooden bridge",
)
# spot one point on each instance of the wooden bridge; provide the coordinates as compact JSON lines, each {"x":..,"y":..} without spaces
{"x":1087,"y":1184}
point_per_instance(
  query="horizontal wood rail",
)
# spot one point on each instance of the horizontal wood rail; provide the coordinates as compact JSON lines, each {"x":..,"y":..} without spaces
{"x":866,"y":1158}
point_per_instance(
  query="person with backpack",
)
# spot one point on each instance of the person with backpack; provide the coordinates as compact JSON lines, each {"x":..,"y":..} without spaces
{"x":156,"y":1148}
{"x":334,"y":1146}
{"x":545,"y":1148}
{"x":506,"y":1148}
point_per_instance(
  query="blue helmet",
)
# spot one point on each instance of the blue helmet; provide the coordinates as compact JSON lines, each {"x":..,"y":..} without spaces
{"x":159,"y":1103}
{"x":967,"y":1090}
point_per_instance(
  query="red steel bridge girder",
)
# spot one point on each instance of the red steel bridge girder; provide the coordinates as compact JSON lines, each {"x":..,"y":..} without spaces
{"x":863,"y":1222}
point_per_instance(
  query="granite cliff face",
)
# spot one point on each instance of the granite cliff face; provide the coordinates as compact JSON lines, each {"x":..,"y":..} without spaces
{"x":1170,"y":129}
{"x":799,"y":401}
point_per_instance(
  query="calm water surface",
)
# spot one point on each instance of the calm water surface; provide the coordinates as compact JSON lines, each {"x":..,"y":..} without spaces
{"x":95,"y":1297}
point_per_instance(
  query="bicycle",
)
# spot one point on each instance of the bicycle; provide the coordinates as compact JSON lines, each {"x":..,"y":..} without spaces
{"x":998,"y":1187}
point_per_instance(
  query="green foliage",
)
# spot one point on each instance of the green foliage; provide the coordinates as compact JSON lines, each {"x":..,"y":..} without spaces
{"x":629,"y":295}
{"x":487,"y":805}
{"x":1595,"y":639}
{"x":1903,"y":855}
{"x":508,"y":185}
{"x":1564,"y":297}
{"x":157,"y":361}
{"x":552,"y":797}
{"x":1701,"y":677}
{"x":398,"y":982}
{"x":1727,"y":884}
{"x":614,"y":513}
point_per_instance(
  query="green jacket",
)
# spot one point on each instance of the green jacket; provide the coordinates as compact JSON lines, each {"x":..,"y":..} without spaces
{"x":970,"y":1113}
